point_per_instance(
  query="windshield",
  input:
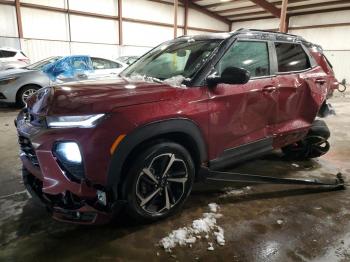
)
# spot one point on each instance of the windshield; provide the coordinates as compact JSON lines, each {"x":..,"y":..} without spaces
{"x":40,"y":64}
{"x":172,"y":60}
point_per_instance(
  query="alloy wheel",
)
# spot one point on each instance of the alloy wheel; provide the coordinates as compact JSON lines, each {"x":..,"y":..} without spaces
{"x":161,"y":184}
{"x":26,"y":94}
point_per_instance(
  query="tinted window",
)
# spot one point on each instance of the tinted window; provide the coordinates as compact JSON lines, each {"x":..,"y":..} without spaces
{"x":99,"y":63}
{"x":5,"y":53}
{"x":252,"y":56}
{"x":291,"y":57}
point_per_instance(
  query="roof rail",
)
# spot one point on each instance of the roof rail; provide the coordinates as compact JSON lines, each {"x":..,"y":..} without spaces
{"x":265,"y":31}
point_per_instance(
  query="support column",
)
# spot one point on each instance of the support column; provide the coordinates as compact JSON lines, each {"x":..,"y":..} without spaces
{"x":19,"y":19}
{"x":283,"y":18}
{"x":120,"y":21}
{"x":175,"y":17}
{"x":186,"y":17}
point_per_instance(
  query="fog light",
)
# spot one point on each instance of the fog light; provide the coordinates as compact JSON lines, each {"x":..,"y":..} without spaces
{"x":70,"y":151}
{"x":70,"y":160}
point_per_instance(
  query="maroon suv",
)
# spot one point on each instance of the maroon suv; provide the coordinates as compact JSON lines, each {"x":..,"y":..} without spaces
{"x":188,"y":106}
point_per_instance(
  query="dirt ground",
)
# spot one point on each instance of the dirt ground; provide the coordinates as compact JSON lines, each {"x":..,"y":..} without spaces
{"x":260,"y":222}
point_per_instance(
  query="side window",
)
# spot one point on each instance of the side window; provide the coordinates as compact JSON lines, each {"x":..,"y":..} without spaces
{"x":114,"y":64}
{"x":100,"y":63}
{"x":250,"y":55}
{"x":291,"y":57}
{"x":80,"y":63}
{"x":6,"y":54}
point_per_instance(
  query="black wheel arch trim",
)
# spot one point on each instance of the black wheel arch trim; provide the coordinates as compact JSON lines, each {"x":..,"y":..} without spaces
{"x":147,"y":132}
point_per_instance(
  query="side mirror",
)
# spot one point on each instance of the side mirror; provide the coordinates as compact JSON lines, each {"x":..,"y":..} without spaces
{"x":231,"y":75}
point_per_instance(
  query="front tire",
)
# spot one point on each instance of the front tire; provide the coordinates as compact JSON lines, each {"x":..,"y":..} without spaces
{"x":159,"y":181}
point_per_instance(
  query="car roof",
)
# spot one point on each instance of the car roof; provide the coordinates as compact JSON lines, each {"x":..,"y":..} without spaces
{"x":9,"y":49}
{"x":253,"y":34}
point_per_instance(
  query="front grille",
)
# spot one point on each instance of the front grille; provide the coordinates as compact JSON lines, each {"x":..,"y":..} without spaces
{"x":28,"y":149}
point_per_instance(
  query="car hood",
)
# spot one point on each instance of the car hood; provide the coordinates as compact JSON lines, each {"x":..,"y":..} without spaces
{"x":90,"y":97}
{"x":13,"y":72}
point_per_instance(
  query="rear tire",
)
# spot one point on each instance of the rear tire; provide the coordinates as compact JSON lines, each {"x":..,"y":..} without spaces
{"x":314,"y":145}
{"x":24,"y":93}
{"x":158,"y":181}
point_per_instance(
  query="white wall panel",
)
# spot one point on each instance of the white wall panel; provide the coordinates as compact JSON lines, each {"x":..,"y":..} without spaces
{"x":95,"y":30}
{"x":106,"y":7}
{"x":341,"y":63}
{"x":151,"y":11}
{"x":195,"y":32}
{"x":263,"y":24}
{"x":320,"y":19}
{"x":100,"y":50}
{"x":44,"y":24}
{"x":40,"y":49}
{"x":133,"y":50}
{"x":330,"y":38}
{"x":8,"y":22}
{"x":198,"y":19}
{"x":146,"y":35}
{"x":10,"y":42}
{"x":53,"y":3}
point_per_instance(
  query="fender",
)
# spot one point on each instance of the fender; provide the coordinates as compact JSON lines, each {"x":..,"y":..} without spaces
{"x":149,"y":131}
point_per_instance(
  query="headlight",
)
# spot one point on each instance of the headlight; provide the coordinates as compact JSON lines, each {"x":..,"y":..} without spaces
{"x":8,"y":80}
{"x":85,"y":121}
{"x":69,"y":158}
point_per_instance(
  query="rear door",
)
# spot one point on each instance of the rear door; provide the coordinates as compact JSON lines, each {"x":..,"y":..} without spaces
{"x":301,"y":90}
{"x":241,"y":114}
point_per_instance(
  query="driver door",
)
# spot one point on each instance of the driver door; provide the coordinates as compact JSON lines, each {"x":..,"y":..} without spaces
{"x":241,"y":115}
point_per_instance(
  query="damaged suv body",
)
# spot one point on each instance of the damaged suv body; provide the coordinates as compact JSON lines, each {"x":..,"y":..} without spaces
{"x":189,"y":105}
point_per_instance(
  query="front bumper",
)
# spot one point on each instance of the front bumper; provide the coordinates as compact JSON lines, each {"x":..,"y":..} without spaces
{"x":65,"y":207}
{"x":67,"y":200}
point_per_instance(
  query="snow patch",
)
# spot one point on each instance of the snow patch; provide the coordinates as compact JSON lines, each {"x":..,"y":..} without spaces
{"x":220,"y":239}
{"x":175,"y":81}
{"x":213,"y":207}
{"x":280,"y":221}
{"x":295,"y":165}
{"x":229,"y":192}
{"x":204,"y":226}
{"x":210,"y":248}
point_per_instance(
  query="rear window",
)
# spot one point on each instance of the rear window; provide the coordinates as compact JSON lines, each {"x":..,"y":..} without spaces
{"x":291,"y":57}
{"x":5,"y":53}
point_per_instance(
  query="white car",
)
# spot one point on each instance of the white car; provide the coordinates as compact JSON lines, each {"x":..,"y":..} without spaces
{"x":16,"y":85}
{"x":12,"y":58}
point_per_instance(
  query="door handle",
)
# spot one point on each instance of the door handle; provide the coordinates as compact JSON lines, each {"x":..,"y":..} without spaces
{"x":320,"y":81}
{"x":269,"y":89}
